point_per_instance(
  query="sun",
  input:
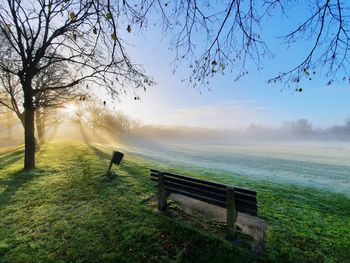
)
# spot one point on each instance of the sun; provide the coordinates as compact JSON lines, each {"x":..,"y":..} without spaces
{"x":70,"y":109}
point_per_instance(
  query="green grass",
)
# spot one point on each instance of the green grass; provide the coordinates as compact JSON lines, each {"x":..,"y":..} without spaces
{"x":66,"y":210}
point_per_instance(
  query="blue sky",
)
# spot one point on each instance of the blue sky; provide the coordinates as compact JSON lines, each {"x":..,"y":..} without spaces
{"x":231,"y":104}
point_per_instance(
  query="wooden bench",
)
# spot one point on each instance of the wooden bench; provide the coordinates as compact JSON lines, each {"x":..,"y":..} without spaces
{"x":234,"y":199}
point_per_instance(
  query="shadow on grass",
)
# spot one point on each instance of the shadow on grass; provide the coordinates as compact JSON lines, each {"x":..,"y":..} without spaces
{"x":5,"y":151}
{"x":15,"y":181}
{"x":78,"y":217}
{"x":97,"y":151}
{"x":137,"y":181}
{"x":11,"y":157}
{"x":101,"y":154}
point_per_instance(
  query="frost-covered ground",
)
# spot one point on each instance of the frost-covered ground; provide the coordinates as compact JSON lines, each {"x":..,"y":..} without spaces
{"x":318,"y":164}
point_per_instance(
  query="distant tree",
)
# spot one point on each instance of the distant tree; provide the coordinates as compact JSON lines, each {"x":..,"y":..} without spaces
{"x":96,"y":115}
{"x":81,"y":33}
{"x":135,"y":124}
{"x":10,"y":122}
{"x":46,"y":102}
{"x":7,"y":119}
{"x":299,"y":127}
{"x":11,"y":97}
{"x":342,"y":131}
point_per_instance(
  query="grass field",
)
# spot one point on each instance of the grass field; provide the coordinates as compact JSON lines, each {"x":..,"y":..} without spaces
{"x":67,"y":211}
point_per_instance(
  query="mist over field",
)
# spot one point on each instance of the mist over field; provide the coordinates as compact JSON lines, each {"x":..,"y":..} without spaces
{"x":318,"y":164}
{"x":289,"y":130}
{"x":294,"y":153}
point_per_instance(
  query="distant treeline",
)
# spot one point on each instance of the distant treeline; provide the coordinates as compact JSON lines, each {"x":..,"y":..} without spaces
{"x":300,"y":129}
{"x":97,"y":116}
{"x":91,"y":114}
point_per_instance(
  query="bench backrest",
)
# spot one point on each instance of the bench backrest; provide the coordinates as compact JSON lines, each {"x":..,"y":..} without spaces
{"x":210,"y":192}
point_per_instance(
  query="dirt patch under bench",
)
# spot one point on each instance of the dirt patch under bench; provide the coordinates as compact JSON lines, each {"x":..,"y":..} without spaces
{"x":251,"y":231}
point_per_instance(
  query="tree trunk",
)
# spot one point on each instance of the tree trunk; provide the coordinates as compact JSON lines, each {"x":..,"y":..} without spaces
{"x":29,"y":139}
{"x":29,"y":132}
{"x":21,"y":118}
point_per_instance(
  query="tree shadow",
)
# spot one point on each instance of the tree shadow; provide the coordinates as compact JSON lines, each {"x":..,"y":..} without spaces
{"x":98,"y":152}
{"x":6,"y":151}
{"x":16,"y":180}
{"x":11,"y":157}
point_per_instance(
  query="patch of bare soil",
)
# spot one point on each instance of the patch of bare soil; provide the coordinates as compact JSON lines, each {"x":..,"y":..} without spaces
{"x":251,"y":231}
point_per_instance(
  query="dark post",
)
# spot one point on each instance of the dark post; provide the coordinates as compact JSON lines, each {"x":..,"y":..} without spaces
{"x":231,"y":212}
{"x":116,"y":159}
{"x":162,"y":198}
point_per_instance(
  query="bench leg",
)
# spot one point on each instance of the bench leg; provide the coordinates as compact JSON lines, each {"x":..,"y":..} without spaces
{"x":162,"y":194}
{"x":231,"y":212}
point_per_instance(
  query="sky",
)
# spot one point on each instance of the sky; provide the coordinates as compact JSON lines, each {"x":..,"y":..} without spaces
{"x":230,"y":104}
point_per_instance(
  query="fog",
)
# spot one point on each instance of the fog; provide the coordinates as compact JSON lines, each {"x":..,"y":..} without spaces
{"x":294,"y":153}
{"x":301,"y":129}
{"x":320,"y":164}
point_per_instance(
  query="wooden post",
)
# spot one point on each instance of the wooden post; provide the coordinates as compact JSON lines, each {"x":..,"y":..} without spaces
{"x":162,"y":197}
{"x":231,"y":212}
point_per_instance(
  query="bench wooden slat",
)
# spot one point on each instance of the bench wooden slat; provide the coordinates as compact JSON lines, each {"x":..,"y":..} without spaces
{"x":196,"y":196}
{"x":195,"y":184}
{"x":240,"y":206}
{"x":245,"y":200}
{"x":190,"y":188}
{"x":208,"y":188}
{"x":242,"y":203}
{"x":250,"y":211}
{"x":218,"y":185}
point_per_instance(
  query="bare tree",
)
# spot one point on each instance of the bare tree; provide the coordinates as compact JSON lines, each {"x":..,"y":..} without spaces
{"x":220,"y":36}
{"x":10,"y":122}
{"x":82,"y":33}
{"x":85,"y":34}
{"x":327,"y":28}
{"x":94,"y":113}
{"x":46,"y":102}
{"x":11,"y":96}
